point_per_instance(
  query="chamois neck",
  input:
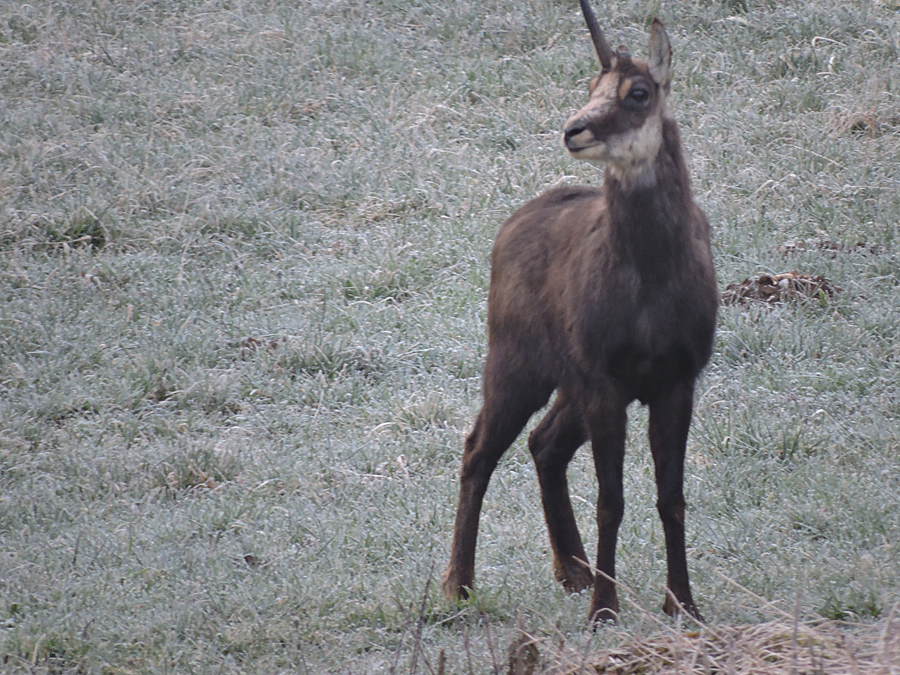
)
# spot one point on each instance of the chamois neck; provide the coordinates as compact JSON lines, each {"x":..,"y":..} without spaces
{"x":666,"y":172}
{"x":650,"y":212}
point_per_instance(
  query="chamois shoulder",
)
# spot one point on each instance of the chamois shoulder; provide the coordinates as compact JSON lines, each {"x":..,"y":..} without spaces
{"x":555,"y":206}
{"x":548,"y":224}
{"x":560,"y":198}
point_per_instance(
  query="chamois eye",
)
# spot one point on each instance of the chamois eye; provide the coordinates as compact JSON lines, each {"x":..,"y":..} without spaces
{"x":639,"y":95}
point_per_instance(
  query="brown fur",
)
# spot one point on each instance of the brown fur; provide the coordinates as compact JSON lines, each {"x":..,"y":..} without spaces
{"x":605,"y":296}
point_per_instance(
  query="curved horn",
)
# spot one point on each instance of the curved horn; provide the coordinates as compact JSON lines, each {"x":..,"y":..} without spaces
{"x":604,"y":53}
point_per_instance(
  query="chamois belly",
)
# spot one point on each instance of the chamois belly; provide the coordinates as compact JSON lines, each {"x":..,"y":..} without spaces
{"x":644,"y":374}
{"x":645,"y":352}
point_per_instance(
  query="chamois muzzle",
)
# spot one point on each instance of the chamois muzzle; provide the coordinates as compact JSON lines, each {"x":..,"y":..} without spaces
{"x":570,"y":134}
{"x":579,"y":134}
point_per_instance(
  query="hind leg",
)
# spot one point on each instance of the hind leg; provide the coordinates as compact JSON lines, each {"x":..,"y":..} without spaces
{"x":670,"y":419}
{"x":552,"y":445}
{"x":510,"y":399}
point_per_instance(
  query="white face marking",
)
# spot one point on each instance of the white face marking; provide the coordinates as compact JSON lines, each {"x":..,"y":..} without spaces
{"x":603,"y":101}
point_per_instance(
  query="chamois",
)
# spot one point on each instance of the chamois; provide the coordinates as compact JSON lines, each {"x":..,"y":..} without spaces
{"x":605,"y":296}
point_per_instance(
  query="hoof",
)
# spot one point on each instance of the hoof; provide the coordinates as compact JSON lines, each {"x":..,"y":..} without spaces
{"x":604,"y":617}
{"x":674,"y":608}
{"x":575,"y":577}
{"x":604,"y":610}
{"x":453,"y":589}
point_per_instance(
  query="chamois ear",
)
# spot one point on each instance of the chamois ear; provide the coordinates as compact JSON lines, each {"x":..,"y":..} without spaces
{"x":660,"y":60}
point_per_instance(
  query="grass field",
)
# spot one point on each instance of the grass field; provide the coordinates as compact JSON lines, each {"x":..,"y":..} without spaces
{"x":243,"y":272}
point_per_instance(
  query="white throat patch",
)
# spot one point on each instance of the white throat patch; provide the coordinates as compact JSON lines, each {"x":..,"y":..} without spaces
{"x":631,"y":156}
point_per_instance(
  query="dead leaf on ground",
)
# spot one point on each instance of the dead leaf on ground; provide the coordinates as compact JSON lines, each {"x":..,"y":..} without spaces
{"x":251,"y":344}
{"x":203,"y":479}
{"x":252,"y":561}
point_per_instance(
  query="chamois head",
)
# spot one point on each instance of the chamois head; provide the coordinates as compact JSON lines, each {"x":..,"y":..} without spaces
{"x":621,"y":124}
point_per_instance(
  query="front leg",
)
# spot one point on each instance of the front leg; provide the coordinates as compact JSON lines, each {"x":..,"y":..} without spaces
{"x":670,"y":419}
{"x":606,"y":422}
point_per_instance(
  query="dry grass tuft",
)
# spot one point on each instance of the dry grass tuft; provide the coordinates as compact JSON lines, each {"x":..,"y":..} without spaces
{"x":769,"y":648}
{"x":781,"y":645}
{"x":773,"y":647}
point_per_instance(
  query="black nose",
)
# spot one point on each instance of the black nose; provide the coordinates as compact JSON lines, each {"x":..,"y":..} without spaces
{"x":571,"y":132}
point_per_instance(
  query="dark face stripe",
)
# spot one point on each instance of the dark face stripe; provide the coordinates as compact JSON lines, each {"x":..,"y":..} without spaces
{"x":606,"y":118}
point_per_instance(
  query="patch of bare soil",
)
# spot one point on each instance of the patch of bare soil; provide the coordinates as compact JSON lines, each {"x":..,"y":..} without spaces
{"x":775,"y":288}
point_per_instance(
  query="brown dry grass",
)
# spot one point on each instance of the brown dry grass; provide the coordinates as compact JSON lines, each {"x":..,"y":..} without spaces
{"x":782,"y":645}
{"x":770,"y":648}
